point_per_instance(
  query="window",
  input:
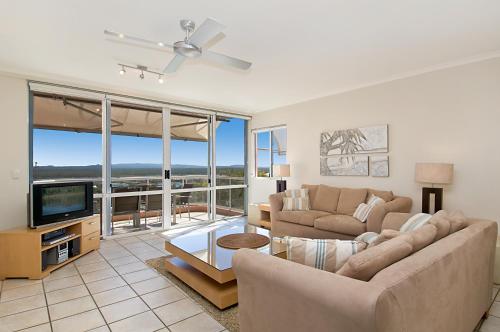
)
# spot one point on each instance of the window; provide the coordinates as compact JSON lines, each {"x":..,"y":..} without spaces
{"x":270,"y":149}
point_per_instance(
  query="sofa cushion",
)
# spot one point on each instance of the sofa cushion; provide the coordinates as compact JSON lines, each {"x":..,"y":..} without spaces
{"x":313,"y":190}
{"x":326,"y":199}
{"x":421,"y":237}
{"x":442,"y":224}
{"x":301,"y":217}
{"x":367,"y":263}
{"x":456,"y":218}
{"x":340,"y":224}
{"x":385,"y":195}
{"x":328,"y":255}
{"x":386,"y":235}
{"x":350,"y":199}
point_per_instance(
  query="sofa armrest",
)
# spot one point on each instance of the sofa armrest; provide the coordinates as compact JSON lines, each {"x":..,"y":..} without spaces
{"x":377,"y":215}
{"x":278,"y":295}
{"x":394,"y":220}
{"x":276,"y":203}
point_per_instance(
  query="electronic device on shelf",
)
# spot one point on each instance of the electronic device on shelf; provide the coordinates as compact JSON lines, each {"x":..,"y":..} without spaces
{"x":58,"y":254}
{"x":54,"y":202}
{"x":54,"y":234}
{"x":57,"y":239}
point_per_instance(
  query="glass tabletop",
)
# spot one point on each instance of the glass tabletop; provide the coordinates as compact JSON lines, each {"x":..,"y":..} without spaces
{"x":202,"y":243}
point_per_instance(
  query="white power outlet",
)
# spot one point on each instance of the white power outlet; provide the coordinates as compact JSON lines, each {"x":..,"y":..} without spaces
{"x":15,"y":174}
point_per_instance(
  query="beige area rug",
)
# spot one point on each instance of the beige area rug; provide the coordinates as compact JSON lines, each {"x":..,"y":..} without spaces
{"x":227,"y":318}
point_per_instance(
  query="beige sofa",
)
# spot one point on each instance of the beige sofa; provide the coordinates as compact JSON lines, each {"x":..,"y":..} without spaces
{"x":331,"y":213}
{"x":445,"y":287}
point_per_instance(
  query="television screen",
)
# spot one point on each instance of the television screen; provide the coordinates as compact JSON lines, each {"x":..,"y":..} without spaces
{"x":61,"y":200}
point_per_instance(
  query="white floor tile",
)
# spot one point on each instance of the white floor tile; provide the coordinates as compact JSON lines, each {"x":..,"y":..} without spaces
{"x":105,"y":284}
{"x":132,"y":267}
{"x":15,"y":283}
{"x":53,"y":285}
{"x":128,"y":239}
{"x":66,"y":294}
{"x":99,"y":275}
{"x":79,"y":323}
{"x":92,"y":257}
{"x":492,"y":324}
{"x":71,"y":307}
{"x":20,"y":292}
{"x":24,"y":319}
{"x":92,"y":267}
{"x":123,"y":260}
{"x":154,"y":253}
{"x":145,"y":322}
{"x":39,"y":328}
{"x":114,"y":295}
{"x":124,"y":309}
{"x":199,"y":323}
{"x":495,"y":309}
{"x":162,"y":297}
{"x":104,"y":328}
{"x":23,"y":304}
{"x":146,"y":286}
{"x":174,"y":312}
{"x":63,"y":272}
{"x":140,"y":275}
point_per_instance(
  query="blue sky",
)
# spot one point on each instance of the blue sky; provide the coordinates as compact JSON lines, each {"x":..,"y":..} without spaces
{"x":60,"y":148}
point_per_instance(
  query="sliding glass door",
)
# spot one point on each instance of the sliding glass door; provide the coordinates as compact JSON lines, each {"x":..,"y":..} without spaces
{"x":153,"y":165}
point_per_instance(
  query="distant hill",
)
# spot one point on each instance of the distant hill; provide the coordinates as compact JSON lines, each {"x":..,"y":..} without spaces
{"x":128,"y":169}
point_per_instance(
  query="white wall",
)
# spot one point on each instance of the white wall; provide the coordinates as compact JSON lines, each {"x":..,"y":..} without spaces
{"x":452,"y":115}
{"x":14,"y":152}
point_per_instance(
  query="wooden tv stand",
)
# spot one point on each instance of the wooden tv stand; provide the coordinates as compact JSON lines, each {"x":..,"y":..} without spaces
{"x":21,"y":249}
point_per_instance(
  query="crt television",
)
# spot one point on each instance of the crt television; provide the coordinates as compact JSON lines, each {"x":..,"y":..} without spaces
{"x":60,"y":201}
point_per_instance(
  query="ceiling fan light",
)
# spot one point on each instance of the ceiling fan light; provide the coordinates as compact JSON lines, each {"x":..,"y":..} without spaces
{"x":161,"y":44}
{"x":122,"y":71}
{"x":160,"y":79}
{"x":188,"y":50}
{"x":121,"y":35}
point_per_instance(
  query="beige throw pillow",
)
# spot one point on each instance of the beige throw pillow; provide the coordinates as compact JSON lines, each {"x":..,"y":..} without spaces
{"x":327,"y":198}
{"x":366,"y":264}
{"x":328,"y":255}
{"x":349,"y":200}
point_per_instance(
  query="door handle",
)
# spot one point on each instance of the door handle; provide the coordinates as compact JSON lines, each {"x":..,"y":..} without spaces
{"x":167,"y":174}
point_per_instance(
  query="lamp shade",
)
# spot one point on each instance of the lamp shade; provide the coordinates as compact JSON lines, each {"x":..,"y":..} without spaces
{"x":282,"y":170}
{"x":436,"y":173}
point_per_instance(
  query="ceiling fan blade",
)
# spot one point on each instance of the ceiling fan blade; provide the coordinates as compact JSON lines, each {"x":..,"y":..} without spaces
{"x":206,"y":31}
{"x":174,"y":64}
{"x":226,"y":60}
{"x":122,"y":38}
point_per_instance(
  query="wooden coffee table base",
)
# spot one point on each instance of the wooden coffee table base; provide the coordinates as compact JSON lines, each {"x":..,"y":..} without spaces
{"x":221,"y":295}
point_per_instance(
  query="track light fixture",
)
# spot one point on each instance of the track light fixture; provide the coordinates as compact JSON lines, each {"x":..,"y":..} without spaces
{"x":142,"y":70}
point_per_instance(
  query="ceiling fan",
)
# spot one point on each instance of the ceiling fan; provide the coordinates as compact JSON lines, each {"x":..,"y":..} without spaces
{"x":190,"y":47}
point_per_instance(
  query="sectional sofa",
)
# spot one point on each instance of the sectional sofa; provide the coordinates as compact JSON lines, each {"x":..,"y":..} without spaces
{"x":331,"y":213}
{"x":444,"y":287}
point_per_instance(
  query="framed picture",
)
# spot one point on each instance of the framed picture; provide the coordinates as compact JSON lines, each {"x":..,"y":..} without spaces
{"x":344,"y":165}
{"x":379,"y":166}
{"x":372,"y":139}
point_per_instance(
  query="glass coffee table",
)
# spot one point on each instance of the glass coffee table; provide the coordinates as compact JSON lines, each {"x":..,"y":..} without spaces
{"x":199,"y":262}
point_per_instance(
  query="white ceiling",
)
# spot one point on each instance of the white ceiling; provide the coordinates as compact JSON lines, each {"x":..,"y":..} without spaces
{"x":299,"y":49}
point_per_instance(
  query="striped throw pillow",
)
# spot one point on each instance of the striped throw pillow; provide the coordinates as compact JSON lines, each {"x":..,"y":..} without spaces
{"x":295,"y":203}
{"x":367,"y":237}
{"x":363,"y":210}
{"x":328,"y":255}
{"x":415,"y":222}
{"x":295,"y":193}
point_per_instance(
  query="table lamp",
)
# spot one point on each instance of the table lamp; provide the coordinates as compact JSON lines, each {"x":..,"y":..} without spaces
{"x":281,"y":171}
{"x":433,"y":173}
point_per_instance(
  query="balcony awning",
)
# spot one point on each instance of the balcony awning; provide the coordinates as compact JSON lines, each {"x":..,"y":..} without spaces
{"x":69,"y":114}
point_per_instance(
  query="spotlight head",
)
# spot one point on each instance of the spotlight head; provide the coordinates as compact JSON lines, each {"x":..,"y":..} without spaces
{"x":122,"y":71}
{"x":141,"y":76}
{"x":160,"y":79}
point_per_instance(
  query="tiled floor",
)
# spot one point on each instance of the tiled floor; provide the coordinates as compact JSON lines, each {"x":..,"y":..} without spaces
{"x":112,"y":289}
{"x":492,"y":324}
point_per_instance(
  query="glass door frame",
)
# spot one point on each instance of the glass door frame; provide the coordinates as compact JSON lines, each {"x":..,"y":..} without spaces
{"x":106,"y":194}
